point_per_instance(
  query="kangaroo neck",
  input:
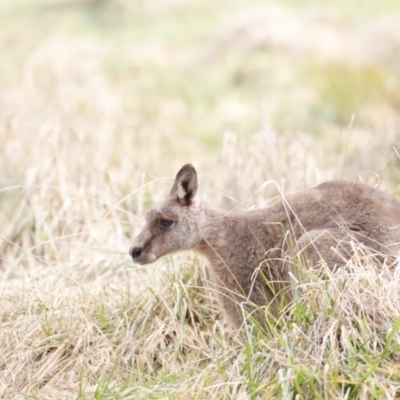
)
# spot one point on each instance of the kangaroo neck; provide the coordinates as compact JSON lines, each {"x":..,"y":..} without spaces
{"x":226,"y":236}
{"x":213,"y":230}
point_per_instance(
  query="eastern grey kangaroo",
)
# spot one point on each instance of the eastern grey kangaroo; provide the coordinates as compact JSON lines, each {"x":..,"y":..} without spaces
{"x":249,"y":251}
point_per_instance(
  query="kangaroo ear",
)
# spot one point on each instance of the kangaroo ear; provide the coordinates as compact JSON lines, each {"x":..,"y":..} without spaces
{"x":185,"y":185}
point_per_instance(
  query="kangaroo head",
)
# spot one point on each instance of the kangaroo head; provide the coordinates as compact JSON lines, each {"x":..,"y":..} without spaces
{"x":173,"y":225}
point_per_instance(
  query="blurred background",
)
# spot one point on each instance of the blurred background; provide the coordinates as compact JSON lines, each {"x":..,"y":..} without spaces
{"x":102,"y":102}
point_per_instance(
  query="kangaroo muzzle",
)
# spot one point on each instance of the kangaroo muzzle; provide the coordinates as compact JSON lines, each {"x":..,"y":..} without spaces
{"x":135,"y":252}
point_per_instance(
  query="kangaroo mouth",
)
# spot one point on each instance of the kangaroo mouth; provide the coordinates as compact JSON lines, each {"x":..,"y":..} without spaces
{"x":144,"y":259}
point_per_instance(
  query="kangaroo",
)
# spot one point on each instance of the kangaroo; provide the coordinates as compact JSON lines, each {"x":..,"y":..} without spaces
{"x":249,"y":252}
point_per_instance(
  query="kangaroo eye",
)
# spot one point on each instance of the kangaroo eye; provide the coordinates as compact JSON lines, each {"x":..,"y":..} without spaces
{"x":165,"y":223}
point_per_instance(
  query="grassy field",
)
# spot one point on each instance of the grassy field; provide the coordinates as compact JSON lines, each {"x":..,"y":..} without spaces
{"x":101,"y":103}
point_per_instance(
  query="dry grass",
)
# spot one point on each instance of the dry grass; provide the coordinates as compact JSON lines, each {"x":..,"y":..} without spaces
{"x":92,"y":130}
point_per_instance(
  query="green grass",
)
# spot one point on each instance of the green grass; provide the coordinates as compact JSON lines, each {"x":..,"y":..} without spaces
{"x":347,"y":90}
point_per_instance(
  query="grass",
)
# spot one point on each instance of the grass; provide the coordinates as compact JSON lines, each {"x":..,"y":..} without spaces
{"x":101,"y":104}
{"x":173,"y":345}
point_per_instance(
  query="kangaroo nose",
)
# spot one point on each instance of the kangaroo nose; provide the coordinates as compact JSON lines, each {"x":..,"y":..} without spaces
{"x":135,"y":252}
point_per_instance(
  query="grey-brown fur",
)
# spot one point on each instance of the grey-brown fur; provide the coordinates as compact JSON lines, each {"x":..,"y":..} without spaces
{"x":248,"y":249}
